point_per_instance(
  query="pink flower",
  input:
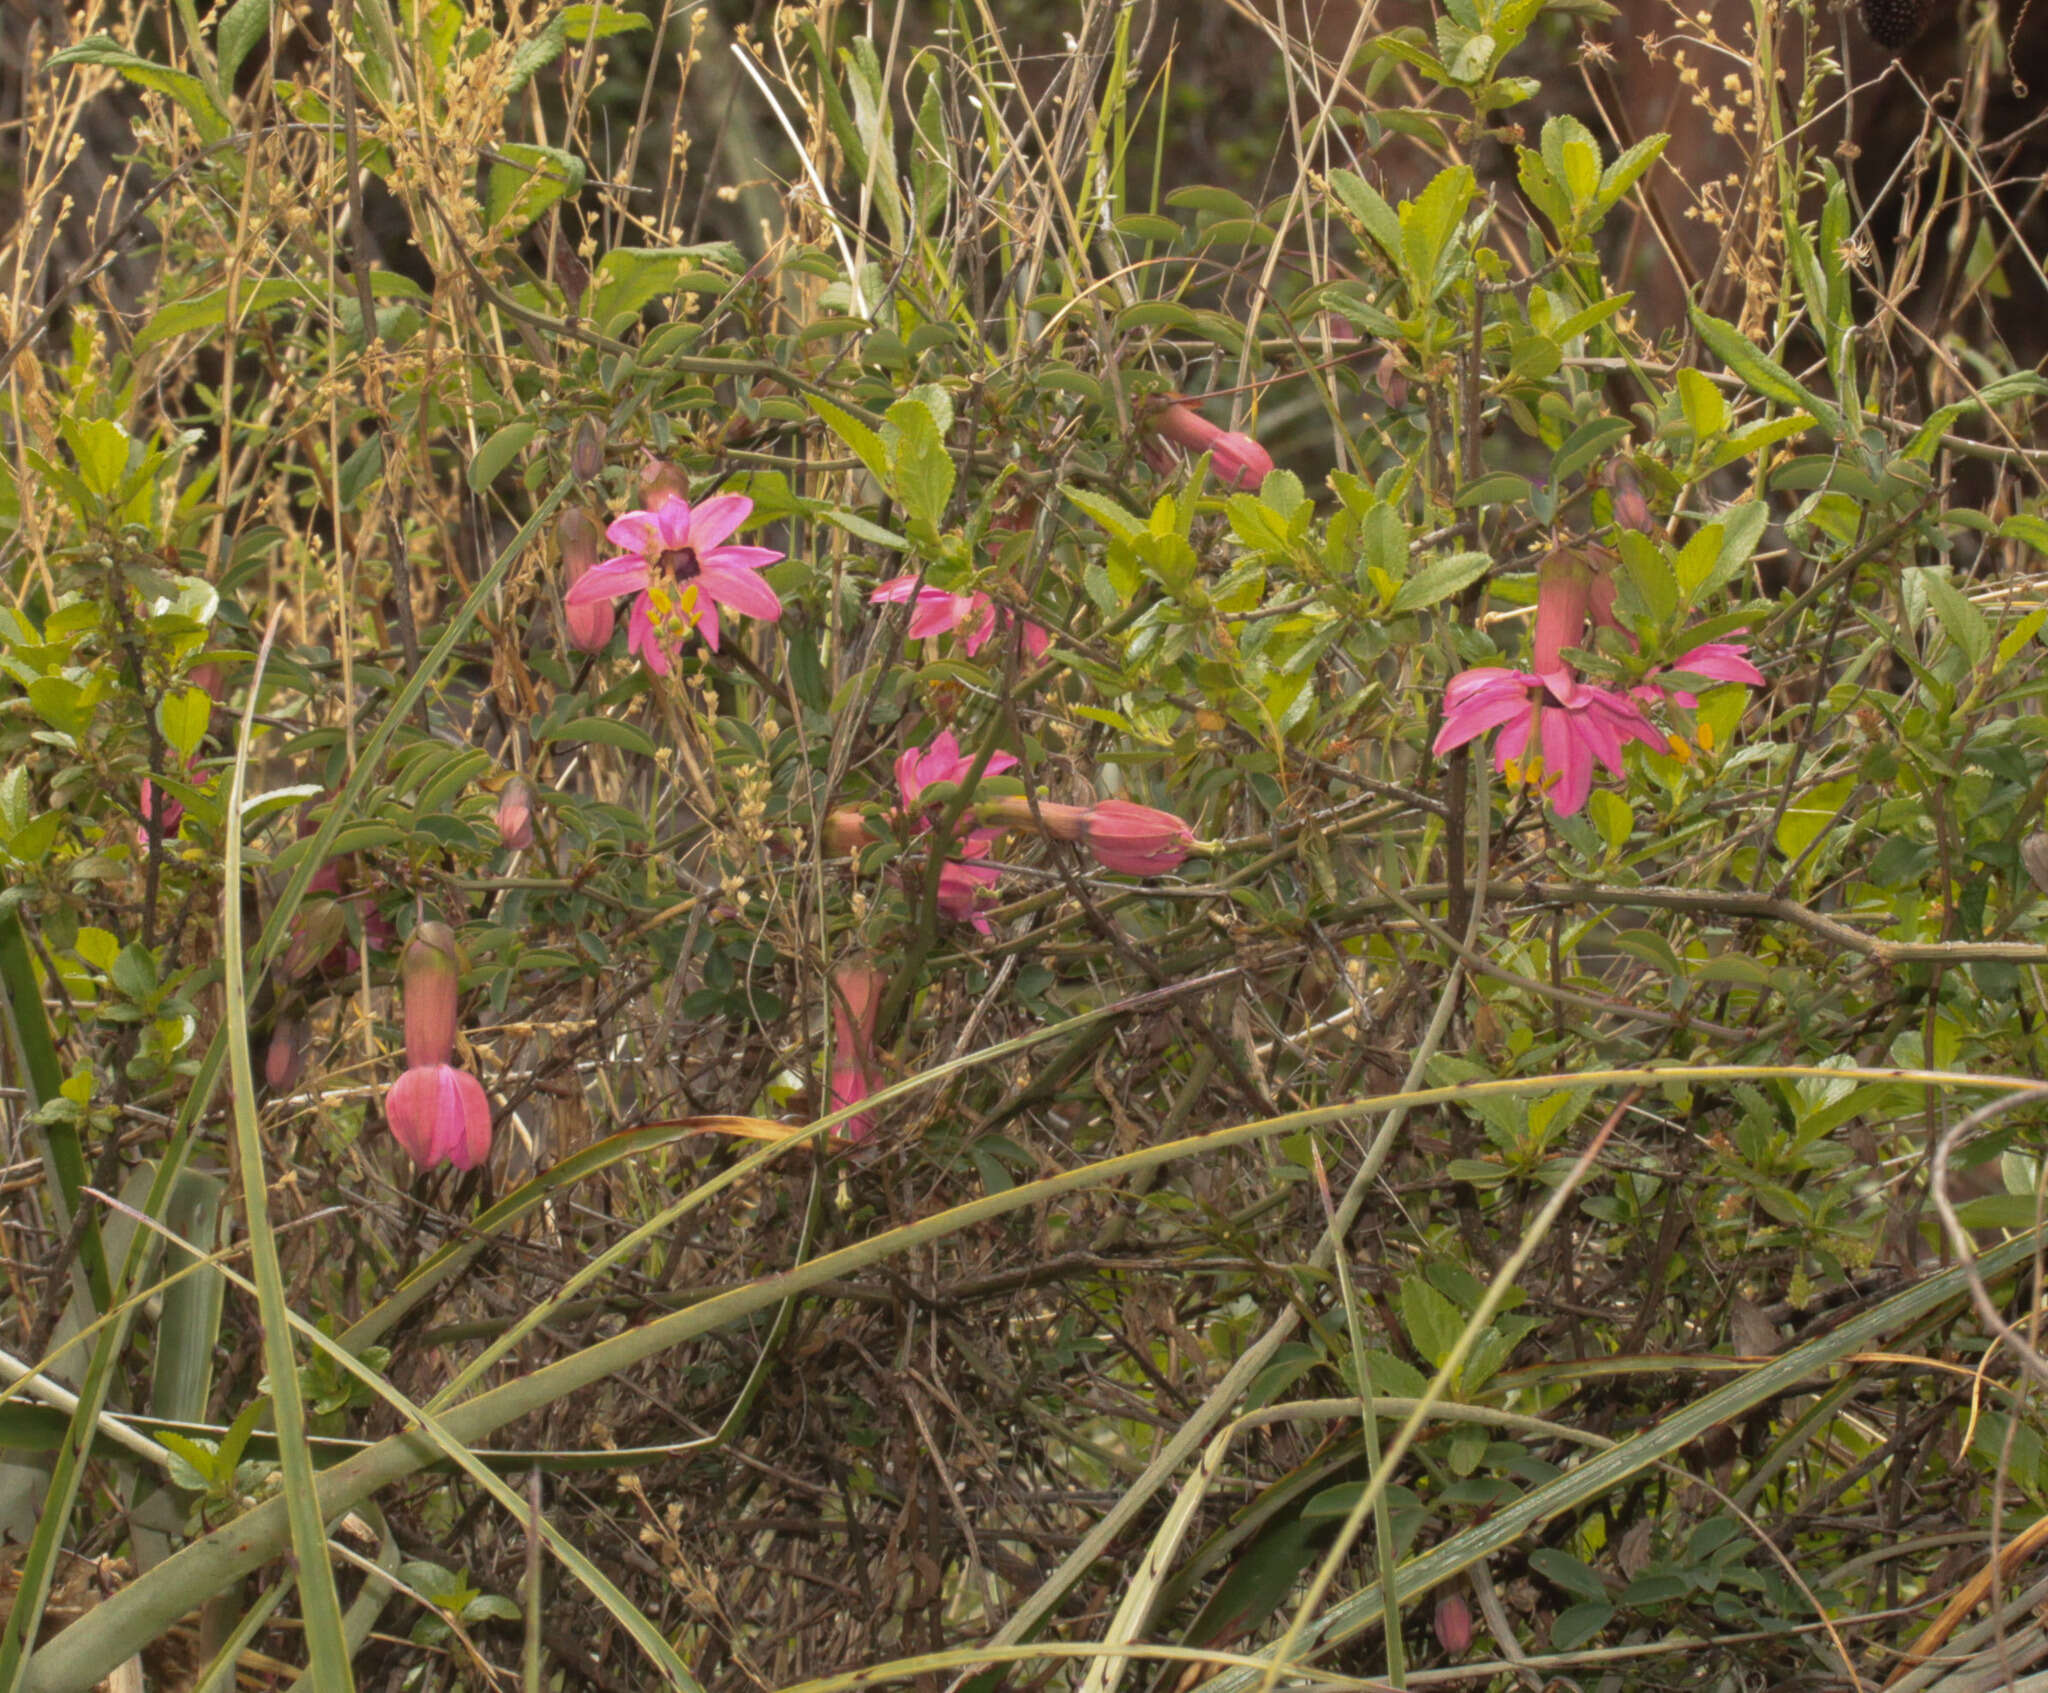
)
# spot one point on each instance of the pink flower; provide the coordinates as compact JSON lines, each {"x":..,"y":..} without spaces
{"x":439,"y":1113}
{"x":1453,"y":1624}
{"x":1136,"y":840}
{"x":1577,"y":725}
{"x":1717,"y":661}
{"x":683,"y":569}
{"x":1050,"y":818}
{"x":285,"y":1060}
{"x":935,"y":612}
{"x":590,"y":622}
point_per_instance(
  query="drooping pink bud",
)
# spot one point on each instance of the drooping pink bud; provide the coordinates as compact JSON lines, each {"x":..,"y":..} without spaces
{"x":319,"y":929}
{"x":1238,"y":460}
{"x":1051,"y":819}
{"x":1453,"y":1623}
{"x":285,"y":1061}
{"x":1564,"y":600}
{"x":1136,"y":840}
{"x":845,"y":832}
{"x":590,"y":623}
{"x":515,"y":815}
{"x":440,"y":1115}
{"x":432,"y":972}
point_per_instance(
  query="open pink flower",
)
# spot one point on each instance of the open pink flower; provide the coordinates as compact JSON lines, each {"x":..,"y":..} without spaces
{"x":1717,"y":661}
{"x":683,"y":567}
{"x":963,"y":888}
{"x":1575,"y":724}
{"x":440,"y":1114}
{"x":935,"y":612}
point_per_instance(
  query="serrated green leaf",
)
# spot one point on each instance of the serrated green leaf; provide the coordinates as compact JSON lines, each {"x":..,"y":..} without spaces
{"x":524,"y":181}
{"x":1440,"y":579}
{"x":866,"y":444}
{"x":1762,"y":373}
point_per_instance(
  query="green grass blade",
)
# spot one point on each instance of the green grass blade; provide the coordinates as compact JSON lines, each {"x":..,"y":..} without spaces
{"x":327,"y":1651}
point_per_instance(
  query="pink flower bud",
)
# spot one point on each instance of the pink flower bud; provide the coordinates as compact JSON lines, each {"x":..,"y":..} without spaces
{"x":845,"y":832}
{"x":432,"y":971}
{"x":857,"y":990}
{"x":850,"y":1084}
{"x":660,"y":481}
{"x":1453,"y":1624}
{"x":591,"y":622}
{"x":1051,"y":819}
{"x":1136,"y":840}
{"x":440,"y":1114}
{"x":515,"y":815}
{"x":285,"y":1061}
{"x":586,"y":451}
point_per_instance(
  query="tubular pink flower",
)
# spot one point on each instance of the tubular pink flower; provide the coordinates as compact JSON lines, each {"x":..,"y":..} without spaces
{"x":683,"y":569}
{"x":590,"y":622}
{"x":432,"y":973}
{"x":1136,"y":840}
{"x":515,"y":816}
{"x":1049,"y":818}
{"x":856,"y":997}
{"x":440,"y":1114}
{"x":285,"y":1060}
{"x":1238,"y":460}
{"x":1564,"y":600}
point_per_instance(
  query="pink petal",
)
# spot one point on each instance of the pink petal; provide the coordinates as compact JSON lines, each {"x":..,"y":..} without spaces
{"x":1473,"y":719}
{"x":641,"y":640}
{"x":1567,"y":764}
{"x":1037,"y":642}
{"x":741,"y":558}
{"x":979,"y":614}
{"x":638,"y":531}
{"x":469,"y":1125}
{"x":936,"y":612}
{"x":712,"y":520}
{"x":706,"y":614}
{"x":673,"y":518}
{"x":607,"y":580}
{"x":1720,"y":661}
{"x":895,"y":591}
{"x":745,"y":592}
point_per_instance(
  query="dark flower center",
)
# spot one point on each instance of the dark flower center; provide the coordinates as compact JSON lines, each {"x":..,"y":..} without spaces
{"x":681,"y":563}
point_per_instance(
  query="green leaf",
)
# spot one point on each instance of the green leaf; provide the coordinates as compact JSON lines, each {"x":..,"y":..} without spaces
{"x":1763,"y":374}
{"x":182,"y":715}
{"x":1440,"y":579}
{"x":1705,"y":409}
{"x":1432,"y":1321}
{"x":605,"y":731}
{"x":1571,"y":1629}
{"x":867,"y":445}
{"x":2018,"y":636}
{"x":183,"y":87}
{"x":209,"y":310}
{"x":1815,"y":810}
{"x":1960,"y":619}
{"x":524,"y":181}
{"x":1562,"y":1570}
{"x":922,"y":470}
{"x":245,"y":23}
{"x":495,"y":456}
{"x":627,"y":279}
{"x":588,"y":23}
{"x":1364,"y":203}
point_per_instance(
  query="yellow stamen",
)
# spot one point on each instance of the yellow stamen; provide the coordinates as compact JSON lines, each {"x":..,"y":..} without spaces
{"x":672,"y":608}
{"x":1706,"y":736}
{"x":1681,"y":749}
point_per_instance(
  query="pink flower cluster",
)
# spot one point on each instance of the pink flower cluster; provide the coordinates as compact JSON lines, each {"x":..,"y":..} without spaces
{"x":936,"y":612}
{"x":439,"y":1113}
{"x":1573,"y":724}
